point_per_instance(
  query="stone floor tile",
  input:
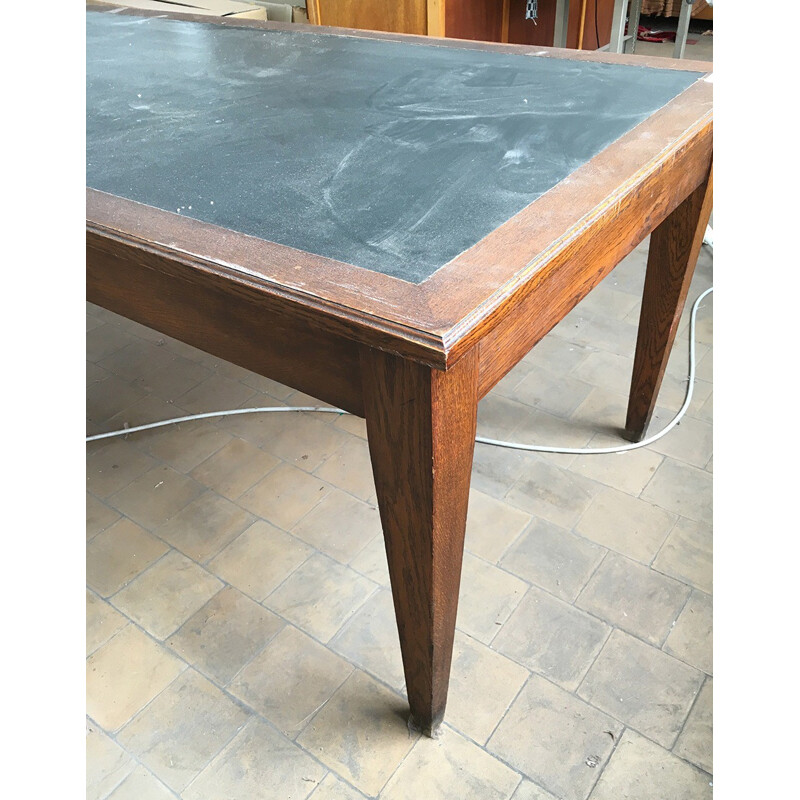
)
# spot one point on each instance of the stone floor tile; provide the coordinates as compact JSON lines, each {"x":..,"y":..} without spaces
{"x":232,"y":372}
{"x":553,"y":493}
{"x":491,"y":526}
{"x":643,"y":687}
{"x":118,"y":554}
{"x":488,"y":596}
{"x":332,"y":788}
{"x":498,"y":416}
{"x":370,"y":640}
{"x":113,"y":464}
{"x":690,"y":639}
{"x":340,"y":526}
{"x":352,"y":425}
{"x":191,"y":717}
{"x":553,"y":559}
{"x":290,"y":680}
{"x":371,"y":562}
{"x":298,"y":398}
{"x":603,"y":411}
{"x":320,"y":596}
{"x":556,"y":354}
{"x":450,"y":767}
{"x":225,"y":634}
{"x":634,"y":598}
{"x":257,"y":428}
{"x":98,"y":516}
{"x":205,"y":526}
{"x":626,"y":525}
{"x":143,"y":412}
{"x":234,"y":468}
{"x":706,"y":411}
{"x":107,"y":764}
{"x":704,"y":368}
{"x":141,"y":785}
{"x":104,"y":340}
{"x":259,"y":559}
{"x":215,"y":393}
{"x":548,"y":391}
{"x":184,"y":445}
{"x":268,"y":386}
{"x":284,"y":496}
{"x":482,"y":685}
{"x":527,"y":790}
{"x":305,"y":440}
{"x":611,"y":371}
{"x":553,"y":738}
{"x":672,"y":394}
{"x":350,"y":469}
{"x":686,"y":554}
{"x":174,"y":378}
{"x":362,"y":733}
{"x":496,"y":469}
{"x":539,"y":427}
{"x":125,"y":674}
{"x":628,"y":471}
{"x":681,"y":489}
{"x":102,"y":622}
{"x":642,"y":769}
{"x":695,"y":743}
{"x":259,"y":764}
{"x":611,"y":302}
{"x":164,"y":596}
{"x":106,"y":397}
{"x":506,"y":385}
{"x":690,"y":441}
{"x":604,"y":333}
{"x":154,"y":497}
{"x":552,"y":638}
{"x":628,"y":275}
{"x":137,"y":360}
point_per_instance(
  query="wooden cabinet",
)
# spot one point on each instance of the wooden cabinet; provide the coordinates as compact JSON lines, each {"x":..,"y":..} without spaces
{"x":485,"y":20}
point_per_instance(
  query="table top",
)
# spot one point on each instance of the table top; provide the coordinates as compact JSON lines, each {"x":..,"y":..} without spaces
{"x":365,"y":171}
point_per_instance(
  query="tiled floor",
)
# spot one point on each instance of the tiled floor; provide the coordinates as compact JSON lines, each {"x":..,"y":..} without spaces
{"x":241,"y":639}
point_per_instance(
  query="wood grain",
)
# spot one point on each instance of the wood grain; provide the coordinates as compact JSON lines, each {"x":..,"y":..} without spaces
{"x":481,"y":20}
{"x":674,"y":248}
{"x":436,"y":17}
{"x":421,"y":428}
{"x":399,"y":16}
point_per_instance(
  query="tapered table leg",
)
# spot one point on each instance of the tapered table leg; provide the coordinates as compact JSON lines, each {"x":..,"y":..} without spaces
{"x":421,"y":426}
{"x":674,"y":247}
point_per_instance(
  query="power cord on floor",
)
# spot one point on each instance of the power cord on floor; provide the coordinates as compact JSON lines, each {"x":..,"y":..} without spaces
{"x":535,"y":448}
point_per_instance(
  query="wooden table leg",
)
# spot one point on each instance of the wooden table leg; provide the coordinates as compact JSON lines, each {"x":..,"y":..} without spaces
{"x":421,"y":425}
{"x":674,"y":247}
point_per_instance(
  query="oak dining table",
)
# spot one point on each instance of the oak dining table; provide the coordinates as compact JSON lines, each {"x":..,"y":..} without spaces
{"x":388,"y":223}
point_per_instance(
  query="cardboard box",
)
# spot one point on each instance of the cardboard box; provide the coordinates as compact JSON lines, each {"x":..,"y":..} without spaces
{"x":207,"y":8}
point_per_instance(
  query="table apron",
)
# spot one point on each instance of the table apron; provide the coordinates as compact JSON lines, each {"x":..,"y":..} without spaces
{"x":225,"y":319}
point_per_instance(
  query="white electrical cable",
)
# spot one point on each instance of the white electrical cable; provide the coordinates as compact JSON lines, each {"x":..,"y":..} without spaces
{"x":481,"y":439}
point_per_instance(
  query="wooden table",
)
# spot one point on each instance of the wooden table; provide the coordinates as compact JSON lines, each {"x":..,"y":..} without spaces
{"x":388,"y":225}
